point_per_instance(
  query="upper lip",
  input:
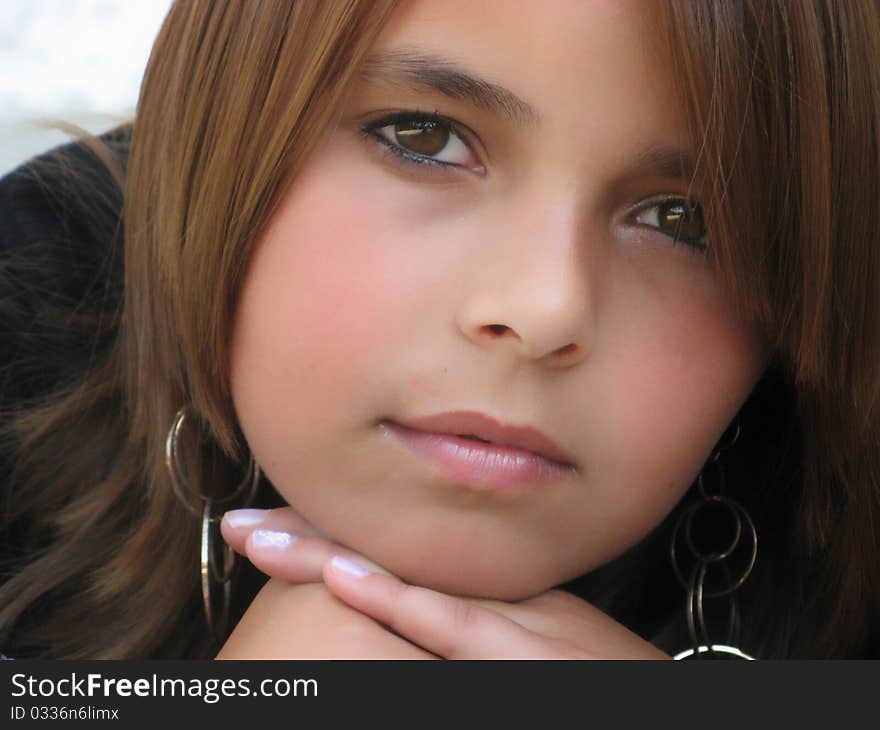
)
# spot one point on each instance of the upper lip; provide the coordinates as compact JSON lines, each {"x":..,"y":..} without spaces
{"x":472,"y":423}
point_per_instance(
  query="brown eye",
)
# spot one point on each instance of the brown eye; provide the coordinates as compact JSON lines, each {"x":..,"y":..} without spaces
{"x":682,"y":221}
{"x":427,"y":140}
{"x":424,"y":138}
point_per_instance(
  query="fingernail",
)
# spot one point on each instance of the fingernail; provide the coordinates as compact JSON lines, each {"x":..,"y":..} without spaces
{"x":271,"y":539}
{"x":347,"y":566}
{"x":246,"y":517}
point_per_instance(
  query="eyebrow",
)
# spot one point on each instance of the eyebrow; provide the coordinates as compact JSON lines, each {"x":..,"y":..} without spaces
{"x":417,"y":69}
{"x":662,"y":161}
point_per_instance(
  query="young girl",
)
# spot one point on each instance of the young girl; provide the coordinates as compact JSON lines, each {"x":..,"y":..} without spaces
{"x":632,"y":246}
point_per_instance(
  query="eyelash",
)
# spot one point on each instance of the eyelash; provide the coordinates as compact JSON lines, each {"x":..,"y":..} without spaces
{"x":403,"y":157}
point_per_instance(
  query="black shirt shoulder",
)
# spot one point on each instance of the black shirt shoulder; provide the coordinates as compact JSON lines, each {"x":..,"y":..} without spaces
{"x":61,"y":258}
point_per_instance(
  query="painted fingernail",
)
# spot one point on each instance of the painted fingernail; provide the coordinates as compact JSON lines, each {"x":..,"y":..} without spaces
{"x":246,"y":517}
{"x":347,"y":566}
{"x":270,"y":539}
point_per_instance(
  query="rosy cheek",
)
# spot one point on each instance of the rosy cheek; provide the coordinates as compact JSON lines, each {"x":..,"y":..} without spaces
{"x":680,"y":377}
{"x":320,"y":299}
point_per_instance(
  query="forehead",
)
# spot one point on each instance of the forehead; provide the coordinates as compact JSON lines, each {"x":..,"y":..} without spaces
{"x":577,"y":64}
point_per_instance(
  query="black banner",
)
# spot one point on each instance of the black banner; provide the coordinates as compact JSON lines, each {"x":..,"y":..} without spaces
{"x":398,"y":693}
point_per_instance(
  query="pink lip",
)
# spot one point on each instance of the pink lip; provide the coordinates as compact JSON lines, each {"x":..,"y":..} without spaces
{"x":517,"y":457}
{"x":478,"y":424}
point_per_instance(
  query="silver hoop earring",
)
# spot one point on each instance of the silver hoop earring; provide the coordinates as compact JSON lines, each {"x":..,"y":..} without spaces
{"x":694,"y":580}
{"x":211,"y":576}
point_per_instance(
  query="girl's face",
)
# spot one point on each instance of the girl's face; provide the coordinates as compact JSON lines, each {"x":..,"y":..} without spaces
{"x":529,"y":272}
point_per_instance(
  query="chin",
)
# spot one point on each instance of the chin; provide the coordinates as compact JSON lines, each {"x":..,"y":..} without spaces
{"x":491,"y":583}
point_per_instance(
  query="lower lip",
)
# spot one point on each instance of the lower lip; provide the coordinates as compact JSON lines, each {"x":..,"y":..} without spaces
{"x":479,"y":464}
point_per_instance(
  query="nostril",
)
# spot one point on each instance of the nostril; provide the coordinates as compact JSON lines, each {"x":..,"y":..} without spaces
{"x":497,"y":329}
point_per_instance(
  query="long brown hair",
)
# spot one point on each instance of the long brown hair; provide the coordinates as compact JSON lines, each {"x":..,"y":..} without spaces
{"x":783,"y":103}
{"x":782,"y":99}
{"x":234,"y":97}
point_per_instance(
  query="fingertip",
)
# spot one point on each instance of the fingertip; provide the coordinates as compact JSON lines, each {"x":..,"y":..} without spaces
{"x":245,"y":518}
{"x":237,"y":525}
{"x":231,"y":536}
{"x":347,"y":568}
{"x":268,"y":543}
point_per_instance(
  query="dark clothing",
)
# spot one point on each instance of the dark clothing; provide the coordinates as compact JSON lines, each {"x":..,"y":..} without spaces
{"x":60,"y":265}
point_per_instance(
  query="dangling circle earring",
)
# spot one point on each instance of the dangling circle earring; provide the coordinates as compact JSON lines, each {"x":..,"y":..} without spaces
{"x":694,"y":583}
{"x":211,"y":575}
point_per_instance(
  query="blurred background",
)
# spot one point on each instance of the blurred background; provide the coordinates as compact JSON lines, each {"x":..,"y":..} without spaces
{"x":77,"y":60}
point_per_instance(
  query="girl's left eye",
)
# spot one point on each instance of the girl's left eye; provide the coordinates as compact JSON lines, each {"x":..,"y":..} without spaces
{"x":415,"y":138}
{"x":678,"y":219}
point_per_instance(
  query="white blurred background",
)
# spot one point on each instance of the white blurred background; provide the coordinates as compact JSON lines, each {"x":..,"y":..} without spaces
{"x":78,"y":60}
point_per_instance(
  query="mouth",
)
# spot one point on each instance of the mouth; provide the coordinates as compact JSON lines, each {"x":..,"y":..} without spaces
{"x":473,"y":438}
{"x":469,"y":459}
{"x":478,"y":426}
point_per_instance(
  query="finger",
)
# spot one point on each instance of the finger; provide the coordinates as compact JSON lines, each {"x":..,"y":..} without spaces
{"x":449,"y":626}
{"x":551,"y":614}
{"x":538,"y":622}
{"x":294,"y":558}
{"x":282,"y":544}
{"x":237,"y":525}
{"x":570,"y":620}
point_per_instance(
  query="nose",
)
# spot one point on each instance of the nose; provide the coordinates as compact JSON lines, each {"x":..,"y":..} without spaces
{"x":530,"y":290}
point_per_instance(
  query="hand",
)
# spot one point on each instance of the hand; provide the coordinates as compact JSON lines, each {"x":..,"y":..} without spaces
{"x":304,"y":621}
{"x":266,"y":538}
{"x":552,"y":625}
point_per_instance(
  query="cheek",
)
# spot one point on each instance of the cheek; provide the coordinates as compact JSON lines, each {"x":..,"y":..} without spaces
{"x":316,"y":314}
{"x":682,"y":370}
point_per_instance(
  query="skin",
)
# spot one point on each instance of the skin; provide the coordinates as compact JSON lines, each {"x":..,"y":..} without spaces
{"x":314,"y":609}
{"x":371,"y":294}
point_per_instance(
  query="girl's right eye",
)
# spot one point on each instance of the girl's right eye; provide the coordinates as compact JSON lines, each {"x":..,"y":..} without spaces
{"x":427,"y":140}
